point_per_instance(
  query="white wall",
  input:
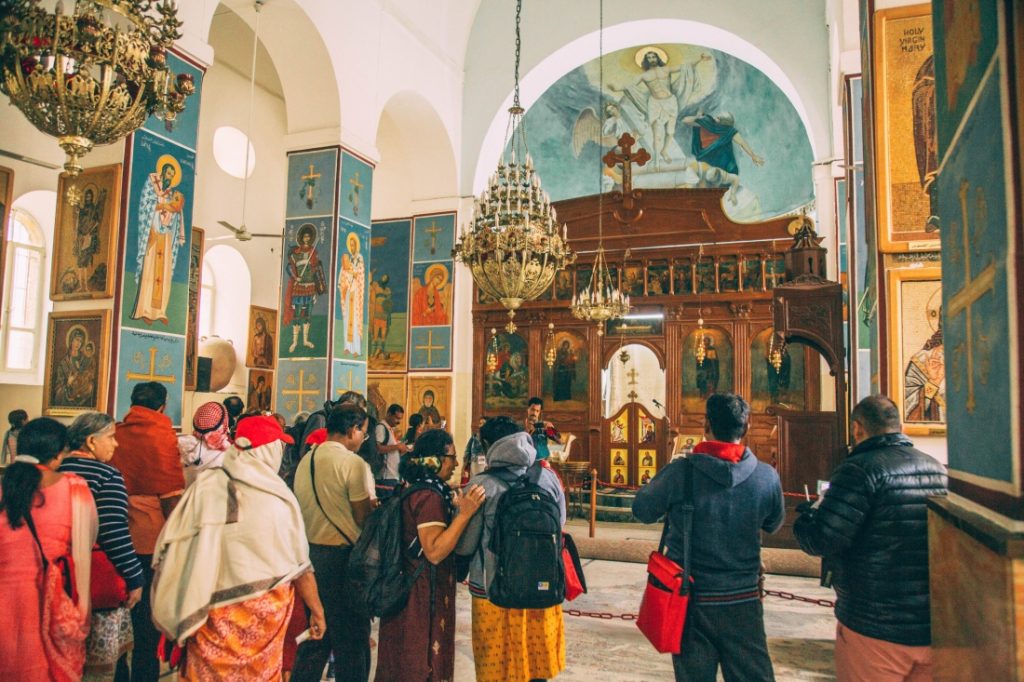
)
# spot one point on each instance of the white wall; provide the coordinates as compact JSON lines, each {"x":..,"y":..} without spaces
{"x":17,"y":135}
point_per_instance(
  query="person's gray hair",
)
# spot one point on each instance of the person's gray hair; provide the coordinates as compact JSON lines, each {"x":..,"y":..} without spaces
{"x":85,"y":425}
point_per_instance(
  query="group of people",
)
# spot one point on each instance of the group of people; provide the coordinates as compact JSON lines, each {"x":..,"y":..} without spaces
{"x":220,"y":564}
{"x":212,"y":551}
{"x":870,"y":528}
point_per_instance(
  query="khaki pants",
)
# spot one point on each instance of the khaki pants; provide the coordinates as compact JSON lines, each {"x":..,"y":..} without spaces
{"x":866,"y":659}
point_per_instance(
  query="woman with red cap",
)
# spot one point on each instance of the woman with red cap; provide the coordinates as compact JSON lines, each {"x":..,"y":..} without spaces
{"x":229,"y":559}
{"x":209,"y":440}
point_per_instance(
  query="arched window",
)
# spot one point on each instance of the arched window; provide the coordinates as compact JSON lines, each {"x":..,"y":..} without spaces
{"x":23,"y":330}
{"x":207,"y":300}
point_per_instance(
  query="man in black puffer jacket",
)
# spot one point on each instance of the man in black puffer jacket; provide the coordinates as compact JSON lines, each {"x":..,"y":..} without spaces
{"x":872,"y":529}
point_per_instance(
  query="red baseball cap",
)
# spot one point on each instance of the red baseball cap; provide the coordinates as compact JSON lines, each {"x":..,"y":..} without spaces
{"x":260,"y":430}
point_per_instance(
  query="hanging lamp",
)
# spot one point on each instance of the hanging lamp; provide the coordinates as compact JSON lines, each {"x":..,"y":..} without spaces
{"x":93,"y":75}
{"x":601,"y":300}
{"x":513,"y":245}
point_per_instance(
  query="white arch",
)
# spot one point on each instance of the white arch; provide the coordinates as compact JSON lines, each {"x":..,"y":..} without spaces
{"x":296,"y":46}
{"x":644,"y":31}
{"x":417,"y":168}
{"x":231,"y":297}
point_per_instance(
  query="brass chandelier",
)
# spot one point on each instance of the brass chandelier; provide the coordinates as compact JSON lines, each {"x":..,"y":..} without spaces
{"x":92,"y":75}
{"x":601,"y":300}
{"x":513,"y":246}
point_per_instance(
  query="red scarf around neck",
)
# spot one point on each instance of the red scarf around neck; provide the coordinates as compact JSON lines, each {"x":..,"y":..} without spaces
{"x":730,"y":452}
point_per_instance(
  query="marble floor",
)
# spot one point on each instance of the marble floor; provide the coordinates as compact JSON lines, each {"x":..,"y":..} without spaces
{"x":800,"y":635}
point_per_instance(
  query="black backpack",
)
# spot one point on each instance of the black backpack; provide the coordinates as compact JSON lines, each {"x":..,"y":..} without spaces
{"x":376,"y":584}
{"x":527,"y":543}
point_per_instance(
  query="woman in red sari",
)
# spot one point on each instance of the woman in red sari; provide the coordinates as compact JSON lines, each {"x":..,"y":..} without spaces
{"x":419,"y":643}
{"x":43,"y":510}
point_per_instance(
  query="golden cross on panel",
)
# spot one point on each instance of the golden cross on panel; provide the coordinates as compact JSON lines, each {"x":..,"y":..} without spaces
{"x":430,"y":347}
{"x":632,"y":374}
{"x":312,"y":174}
{"x":152,"y":375}
{"x":354,"y":181}
{"x":301,"y":392}
{"x":433,"y":231}
{"x":973,"y":289}
{"x":348,"y":385}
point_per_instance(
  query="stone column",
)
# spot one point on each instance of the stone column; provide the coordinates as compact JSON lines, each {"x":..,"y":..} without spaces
{"x":322,"y":339}
{"x":151,"y":294}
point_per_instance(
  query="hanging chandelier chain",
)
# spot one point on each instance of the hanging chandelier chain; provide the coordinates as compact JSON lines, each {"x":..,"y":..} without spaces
{"x":514,"y":243}
{"x":252,"y":97}
{"x":600,"y":114}
{"x":519,"y":43}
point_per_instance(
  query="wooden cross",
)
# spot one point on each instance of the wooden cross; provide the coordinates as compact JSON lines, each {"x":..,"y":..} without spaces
{"x":430,"y":347}
{"x":152,"y":375}
{"x":973,"y":289}
{"x":632,"y":374}
{"x":433,"y":231}
{"x":627,"y":157}
{"x":301,"y":392}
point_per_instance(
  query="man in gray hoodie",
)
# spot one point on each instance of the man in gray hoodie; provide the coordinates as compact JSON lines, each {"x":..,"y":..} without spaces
{"x":735,"y":499}
{"x":510,"y":632}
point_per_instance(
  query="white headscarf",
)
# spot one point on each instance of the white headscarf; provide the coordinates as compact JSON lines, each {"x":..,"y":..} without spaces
{"x":236,"y":534}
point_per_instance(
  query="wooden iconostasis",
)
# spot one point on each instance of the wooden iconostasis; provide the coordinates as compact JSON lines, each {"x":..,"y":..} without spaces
{"x":674,"y":274}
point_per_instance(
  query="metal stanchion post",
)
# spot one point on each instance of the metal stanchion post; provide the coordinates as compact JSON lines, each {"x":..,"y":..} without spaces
{"x":593,"y":502}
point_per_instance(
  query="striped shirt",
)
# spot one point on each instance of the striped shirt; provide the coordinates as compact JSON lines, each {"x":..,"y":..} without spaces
{"x":107,"y":486}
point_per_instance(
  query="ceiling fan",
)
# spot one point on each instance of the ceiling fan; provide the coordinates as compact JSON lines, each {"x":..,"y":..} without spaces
{"x":28,"y":159}
{"x":241,"y":232}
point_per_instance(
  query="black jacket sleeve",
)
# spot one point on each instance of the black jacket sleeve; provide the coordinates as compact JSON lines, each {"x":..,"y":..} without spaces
{"x":831,"y":529}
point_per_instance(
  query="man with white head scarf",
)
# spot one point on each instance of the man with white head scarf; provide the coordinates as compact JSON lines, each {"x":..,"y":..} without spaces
{"x":227,"y":559}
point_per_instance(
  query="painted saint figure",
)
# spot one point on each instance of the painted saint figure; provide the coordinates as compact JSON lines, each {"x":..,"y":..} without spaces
{"x":663,"y":99}
{"x":351,"y":289}
{"x":382,"y":306}
{"x":926,"y":137}
{"x":924,"y":383}
{"x":305,"y":282}
{"x":712,"y":145}
{"x":161,"y":234}
{"x":259,"y":395}
{"x":707,"y":371}
{"x":779,"y":380}
{"x":430,"y":302}
{"x":564,"y":372}
{"x":74,"y":384}
{"x":261,"y":345}
{"x":428,"y":410}
{"x":87,"y":235}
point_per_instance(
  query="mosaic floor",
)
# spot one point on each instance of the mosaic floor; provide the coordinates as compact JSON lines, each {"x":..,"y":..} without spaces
{"x":800,"y":635}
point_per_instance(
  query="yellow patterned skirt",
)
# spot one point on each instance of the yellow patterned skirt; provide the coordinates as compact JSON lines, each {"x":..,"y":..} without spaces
{"x":243,"y":642}
{"x":517,"y":645}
